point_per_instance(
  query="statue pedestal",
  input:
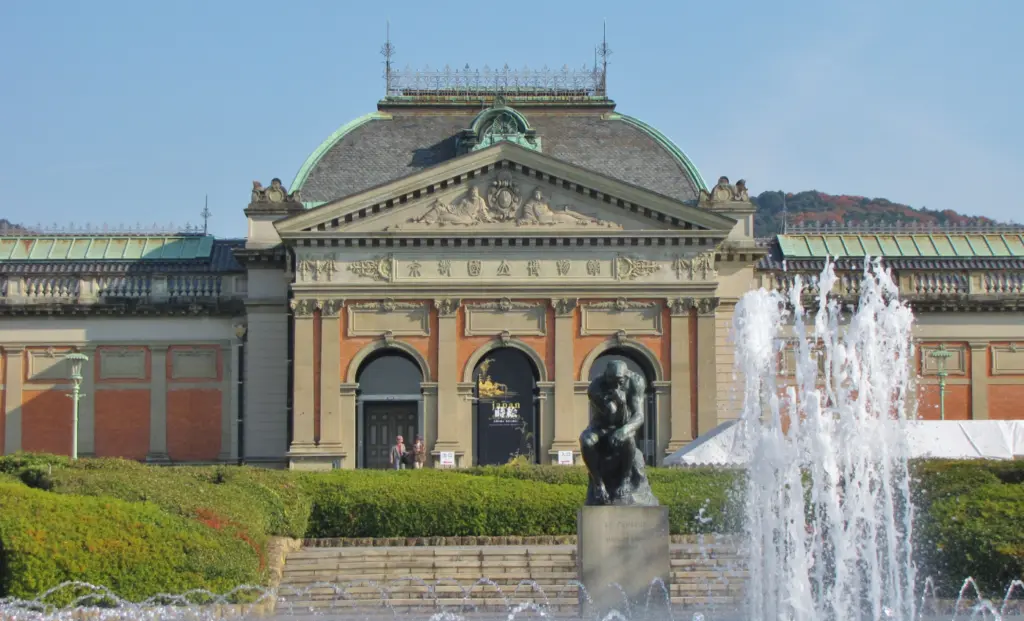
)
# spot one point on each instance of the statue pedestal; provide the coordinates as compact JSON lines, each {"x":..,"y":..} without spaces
{"x":624,"y":545}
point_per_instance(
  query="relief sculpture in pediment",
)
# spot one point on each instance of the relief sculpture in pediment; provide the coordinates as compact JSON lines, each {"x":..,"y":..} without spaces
{"x":503,"y":206}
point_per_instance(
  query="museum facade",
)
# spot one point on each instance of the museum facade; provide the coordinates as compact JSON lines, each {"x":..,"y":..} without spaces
{"x":457,"y":265}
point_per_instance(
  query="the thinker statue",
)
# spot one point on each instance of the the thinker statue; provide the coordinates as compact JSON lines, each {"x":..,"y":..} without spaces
{"x":608,"y":444}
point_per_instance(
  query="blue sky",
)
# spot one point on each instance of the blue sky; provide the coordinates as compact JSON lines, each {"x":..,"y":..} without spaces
{"x":124,"y":111}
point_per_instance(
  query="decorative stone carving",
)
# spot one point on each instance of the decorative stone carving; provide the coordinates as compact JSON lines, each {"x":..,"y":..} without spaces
{"x":505,"y":305}
{"x":517,"y":318}
{"x":276,"y":193}
{"x":682,"y":306}
{"x":537,"y":211}
{"x":414,"y":269}
{"x":317,"y":269}
{"x":562,"y":266}
{"x":630,"y":268}
{"x":330,"y":307}
{"x":444,"y":267}
{"x":564,"y":306}
{"x":378,"y":268}
{"x":388,"y":337}
{"x":467,"y":210}
{"x":504,"y":198}
{"x":303,"y":307}
{"x":387,"y":305}
{"x":533,"y":268}
{"x":621,"y":305}
{"x":447,"y":307}
{"x":701,"y":267}
{"x":473,"y":267}
{"x":505,"y":337}
{"x":593,"y":267}
{"x":707,"y":306}
{"x":621,"y":337}
{"x":503,"y":269}
{"x":724,"y":192}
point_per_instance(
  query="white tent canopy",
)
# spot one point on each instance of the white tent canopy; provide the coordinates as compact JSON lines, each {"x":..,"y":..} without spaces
{"x":972,"y":439}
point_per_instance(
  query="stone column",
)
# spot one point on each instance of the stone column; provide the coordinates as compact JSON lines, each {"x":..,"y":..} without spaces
{"x":566,"y":434}
{"x":12,"y":398}
{"x":347,"y":407}
{"x":429,"y":405}
{"x":707,"y":368}
{"x":228,"y":416}
{"x":979,"y":379}
{"x":680,"y":408}
{"x":158,"y":405}
{"x":662,"y":415}
{"x":302,"y":384}
{"x":87,"y":406}
{"x":449,"y":420}
{"x":547,"y":423}
{"x":332,"y":417}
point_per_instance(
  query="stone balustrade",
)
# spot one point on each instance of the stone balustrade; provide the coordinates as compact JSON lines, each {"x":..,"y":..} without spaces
{"x":928,"y":284}
{"x":149,"y":288}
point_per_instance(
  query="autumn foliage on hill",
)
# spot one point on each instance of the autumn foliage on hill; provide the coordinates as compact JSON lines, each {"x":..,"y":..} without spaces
{"x":812,"y":207}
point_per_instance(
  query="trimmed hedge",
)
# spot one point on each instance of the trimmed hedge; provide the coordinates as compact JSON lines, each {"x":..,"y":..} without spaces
{"x":968,"y":516}
{"x":135,"y":549}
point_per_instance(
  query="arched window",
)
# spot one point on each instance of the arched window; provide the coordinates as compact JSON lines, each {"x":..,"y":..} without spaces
{"x":646,"y":436}
{"x":389,"y":405}
{"x":506,"y":408}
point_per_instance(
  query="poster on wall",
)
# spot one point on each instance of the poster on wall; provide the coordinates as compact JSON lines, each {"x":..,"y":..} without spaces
{"x":505,"y":410}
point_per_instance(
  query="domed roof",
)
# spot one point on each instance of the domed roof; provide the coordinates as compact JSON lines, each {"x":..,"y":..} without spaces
{"x":387,"y":145}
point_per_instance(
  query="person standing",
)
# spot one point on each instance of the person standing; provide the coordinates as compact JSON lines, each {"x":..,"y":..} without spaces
{"x":419,"y":449}
{"x":397,"y":455}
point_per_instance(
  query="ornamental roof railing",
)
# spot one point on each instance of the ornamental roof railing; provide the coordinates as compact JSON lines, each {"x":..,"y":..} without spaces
{"x":545,"y":83}
{"x":900,"y":228}
{"x":87,"y":230}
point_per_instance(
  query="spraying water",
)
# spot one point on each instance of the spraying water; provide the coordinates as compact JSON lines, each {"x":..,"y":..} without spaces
{"x":828,"y":505}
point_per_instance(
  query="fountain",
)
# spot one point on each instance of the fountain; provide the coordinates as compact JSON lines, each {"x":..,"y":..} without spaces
{"x":827,"y":497}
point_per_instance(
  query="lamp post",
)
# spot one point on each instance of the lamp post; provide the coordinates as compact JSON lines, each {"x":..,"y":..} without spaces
{"x":76,"y":359}
{"x":940,"y":355}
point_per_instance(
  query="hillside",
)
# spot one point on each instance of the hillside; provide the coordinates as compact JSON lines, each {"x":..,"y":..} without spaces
{"x":806,"y":208}
{"x":817,"y":207}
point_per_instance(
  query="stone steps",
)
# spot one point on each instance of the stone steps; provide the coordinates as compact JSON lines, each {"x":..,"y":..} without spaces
{"x":418,"y":577}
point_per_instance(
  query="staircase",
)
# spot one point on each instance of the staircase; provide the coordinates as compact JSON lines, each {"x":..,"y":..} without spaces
{"x":489,"y":578}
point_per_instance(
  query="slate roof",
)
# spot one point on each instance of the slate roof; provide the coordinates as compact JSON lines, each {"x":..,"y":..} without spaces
{"x":383,"y":150}
{"x":219,"y":259}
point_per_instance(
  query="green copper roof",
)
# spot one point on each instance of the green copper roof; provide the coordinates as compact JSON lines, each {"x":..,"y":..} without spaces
{"x":325,"y":146}
{"x":668,"y":145}
{"x":917,"y":245}
{"x":107,"y":247}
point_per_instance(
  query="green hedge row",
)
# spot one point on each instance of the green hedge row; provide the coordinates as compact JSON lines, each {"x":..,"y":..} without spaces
{"x":968,"y":515}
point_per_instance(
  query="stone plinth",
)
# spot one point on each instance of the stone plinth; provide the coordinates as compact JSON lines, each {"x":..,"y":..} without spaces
{"x":623,"y":545}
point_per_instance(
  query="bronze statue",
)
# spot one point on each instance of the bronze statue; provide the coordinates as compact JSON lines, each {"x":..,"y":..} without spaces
{"x":608,"y":444}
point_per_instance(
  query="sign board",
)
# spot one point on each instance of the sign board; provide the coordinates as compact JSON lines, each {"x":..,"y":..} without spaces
{"x":447,"y":459}
{"x":565,"y":458}
{"x":505,"y":409}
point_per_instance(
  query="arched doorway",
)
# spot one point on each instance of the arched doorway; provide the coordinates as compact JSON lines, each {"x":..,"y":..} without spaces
{"x":389,"y":404}
{"x":505,"y":387}
{"x":646,"y":438}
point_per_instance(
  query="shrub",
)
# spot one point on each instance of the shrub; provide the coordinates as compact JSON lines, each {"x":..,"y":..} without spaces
{"x":135,"y":549}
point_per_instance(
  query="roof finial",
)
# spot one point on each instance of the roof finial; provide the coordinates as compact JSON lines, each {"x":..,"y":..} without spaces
{"x":387,"y":51}
{"x":785,"y":215}
{"x":205,"y":213}
{"x":604,"y":52}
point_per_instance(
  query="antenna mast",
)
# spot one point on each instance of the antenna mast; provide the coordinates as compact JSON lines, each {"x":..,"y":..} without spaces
{"x":387,"y":51}
{"x":604,"y":52}
{"x":205,"y":213}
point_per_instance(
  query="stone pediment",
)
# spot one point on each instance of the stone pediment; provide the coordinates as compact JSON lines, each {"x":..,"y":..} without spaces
{"x":504,"y":189}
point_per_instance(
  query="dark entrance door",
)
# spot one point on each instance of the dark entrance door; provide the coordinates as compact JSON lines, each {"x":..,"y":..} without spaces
{"x":383,"y":420}
{"x":506,"y":408}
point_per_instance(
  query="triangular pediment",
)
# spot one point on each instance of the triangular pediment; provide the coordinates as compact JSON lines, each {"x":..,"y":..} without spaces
{"x":503,"y":189}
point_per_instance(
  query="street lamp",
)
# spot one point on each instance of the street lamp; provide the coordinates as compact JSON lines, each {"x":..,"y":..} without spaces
{"x":940,"y":356}
{"x":76,"y":359}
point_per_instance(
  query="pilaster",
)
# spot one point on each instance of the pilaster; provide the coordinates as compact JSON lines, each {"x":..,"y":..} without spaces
{"x":707,"y":381}
{"x":228,"y":418}
{"x":332,"y":418}
{"x":12,"y":398}
{"x":429,"y":405}
{"x":348,"y":409}
{"x":158,"y":405}
{"x":452,"y":417}
{"x":302,"y":384}
{"x":547,"y":422}
{"x":680,"y":366}
{"x":87,"y":406}
{"x":979,"y":379}
{"x":565,"y":433}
